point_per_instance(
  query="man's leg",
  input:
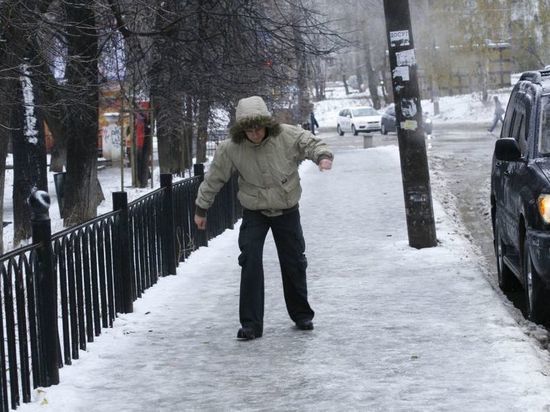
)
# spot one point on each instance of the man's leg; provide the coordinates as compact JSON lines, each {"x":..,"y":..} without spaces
{"x":252,"y":235}
{"x":495,"y":121}
{"x":289,"y":239}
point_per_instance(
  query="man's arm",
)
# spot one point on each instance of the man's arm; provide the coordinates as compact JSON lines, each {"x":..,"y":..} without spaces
{"x":218,"y":174}
{"x":315,"y":149}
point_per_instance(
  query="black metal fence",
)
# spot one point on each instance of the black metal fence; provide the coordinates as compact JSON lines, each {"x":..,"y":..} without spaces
{"x":60,"y":292}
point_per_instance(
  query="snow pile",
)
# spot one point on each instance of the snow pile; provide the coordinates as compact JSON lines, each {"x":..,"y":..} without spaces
{"x":461,"y":108}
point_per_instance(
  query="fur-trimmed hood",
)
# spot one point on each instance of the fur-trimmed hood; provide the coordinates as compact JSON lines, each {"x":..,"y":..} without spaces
{"x":252,"y":113}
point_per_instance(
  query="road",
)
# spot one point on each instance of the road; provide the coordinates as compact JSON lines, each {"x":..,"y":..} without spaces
{"x":460,"y":164}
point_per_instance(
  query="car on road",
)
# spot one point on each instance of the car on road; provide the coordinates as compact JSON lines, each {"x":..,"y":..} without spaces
{"x":388,"y":122}
{"x":520,"y":194}
{"x":360,"y":119}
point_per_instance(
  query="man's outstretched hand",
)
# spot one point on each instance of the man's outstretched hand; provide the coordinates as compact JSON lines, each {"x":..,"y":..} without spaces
{"x":325,"y":164}
{"x":200,"y":221}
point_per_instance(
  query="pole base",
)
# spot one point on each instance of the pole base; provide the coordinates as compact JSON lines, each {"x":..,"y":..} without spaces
{"x":368,"y":141}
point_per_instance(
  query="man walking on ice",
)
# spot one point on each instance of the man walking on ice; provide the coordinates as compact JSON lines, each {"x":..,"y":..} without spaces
{"x":266,"y":156}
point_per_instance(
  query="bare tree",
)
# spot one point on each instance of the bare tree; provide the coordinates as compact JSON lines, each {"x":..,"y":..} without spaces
{"x":20,"y":119}
{"x":29,"y":154}
{"x":81,"y":190}
{"x":188,"y":58}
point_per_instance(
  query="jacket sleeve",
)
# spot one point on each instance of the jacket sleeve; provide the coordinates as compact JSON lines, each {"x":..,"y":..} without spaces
{"x":218,"y":174}
{"x":311,"y":147}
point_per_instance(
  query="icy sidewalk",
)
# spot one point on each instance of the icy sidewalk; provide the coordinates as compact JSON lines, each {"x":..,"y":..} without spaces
{"x":396,"y":329}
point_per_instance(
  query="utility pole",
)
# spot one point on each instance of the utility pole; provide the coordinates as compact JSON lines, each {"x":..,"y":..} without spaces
{"x":410,"y":133}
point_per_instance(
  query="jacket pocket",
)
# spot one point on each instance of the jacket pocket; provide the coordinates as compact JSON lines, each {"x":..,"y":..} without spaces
{"x":291,"y":182}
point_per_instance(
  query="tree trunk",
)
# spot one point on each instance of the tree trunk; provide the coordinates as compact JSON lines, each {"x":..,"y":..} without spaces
{"x":345,"y":81}
{"x":17,"y":18}
{"x":169,"y":134}
{"x":29,"y":156}
{"x":188,"y":133}
{"x":372,"y":75}
{"x":202,"y":129}
{"x":4,"y":139}
{"x":51,"y":111}
{"x":484,"y":77}
{"x":58,"y":156}
{"x":144,"y":149}
{"x":81,"y":191}
{"x":358,"y":75}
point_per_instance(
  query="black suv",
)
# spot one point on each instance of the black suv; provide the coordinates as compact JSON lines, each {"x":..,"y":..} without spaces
{"x":520,"y":194}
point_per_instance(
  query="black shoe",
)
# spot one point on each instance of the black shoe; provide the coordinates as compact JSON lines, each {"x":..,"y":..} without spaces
{"x":246,"y":333}
{"x":305,"y":325}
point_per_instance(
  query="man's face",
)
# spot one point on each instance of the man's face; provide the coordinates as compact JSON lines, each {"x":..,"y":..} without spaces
{"x":256,"y":134}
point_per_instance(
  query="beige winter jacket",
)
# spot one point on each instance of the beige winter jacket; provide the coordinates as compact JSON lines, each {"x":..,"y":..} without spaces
{"x":268,"y":171}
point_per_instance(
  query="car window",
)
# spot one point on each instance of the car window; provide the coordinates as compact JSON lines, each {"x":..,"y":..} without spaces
{"x":516,"y":125}
{"x":364,"y":111}
{"x":544,"y":140}
{"x":522,"y":138}
{"x":509,"y":117}
{"x":517,"y":122}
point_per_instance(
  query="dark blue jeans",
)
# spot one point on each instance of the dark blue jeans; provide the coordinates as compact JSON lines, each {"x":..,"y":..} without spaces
{"x":289,"y":240}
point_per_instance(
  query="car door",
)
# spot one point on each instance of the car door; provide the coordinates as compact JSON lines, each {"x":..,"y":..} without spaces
{"x":501,"y":174}
{"x":500,"y":171}
{"x":516,"y":172}
{"x":346,"y":121}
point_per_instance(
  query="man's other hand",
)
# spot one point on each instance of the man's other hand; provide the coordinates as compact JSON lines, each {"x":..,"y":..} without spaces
{"x":200,"y":221}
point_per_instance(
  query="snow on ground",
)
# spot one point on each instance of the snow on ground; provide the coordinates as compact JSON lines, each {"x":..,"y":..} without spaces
{"x":461,"y":108}
{"x":396,"y":329}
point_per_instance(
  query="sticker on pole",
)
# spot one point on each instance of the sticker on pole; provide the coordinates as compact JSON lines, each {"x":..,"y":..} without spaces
{"x":405,"y":58}
{"x":403,"y":72}
{"x":399,"y":38}
{"x":408,"y":107}
{"x":409,"y":125}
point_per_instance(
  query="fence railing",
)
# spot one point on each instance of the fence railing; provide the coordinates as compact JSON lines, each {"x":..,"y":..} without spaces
{"x":60,"y":292}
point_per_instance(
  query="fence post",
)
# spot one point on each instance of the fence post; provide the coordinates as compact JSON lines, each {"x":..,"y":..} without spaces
{"x":202,"y":235}
{"x":123,"y":264}
{"x":169,"y":264}
{"x":46,"y":286}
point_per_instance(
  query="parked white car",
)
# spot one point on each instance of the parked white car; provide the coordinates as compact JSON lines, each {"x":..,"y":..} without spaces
{"x":361,"y":119}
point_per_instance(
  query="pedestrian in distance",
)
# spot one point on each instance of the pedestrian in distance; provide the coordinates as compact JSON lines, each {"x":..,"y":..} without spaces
{"x":498,"y":114}
{"x":266,"y":155}
{"x":313,"y":122}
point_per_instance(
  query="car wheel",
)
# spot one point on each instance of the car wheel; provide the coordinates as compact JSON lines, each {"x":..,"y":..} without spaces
{"x":383,"y":129}
{"x":506,"y":279}
{"x":355,"y":132}
{"x":535,"y":293}
{"x":339,"y":130}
